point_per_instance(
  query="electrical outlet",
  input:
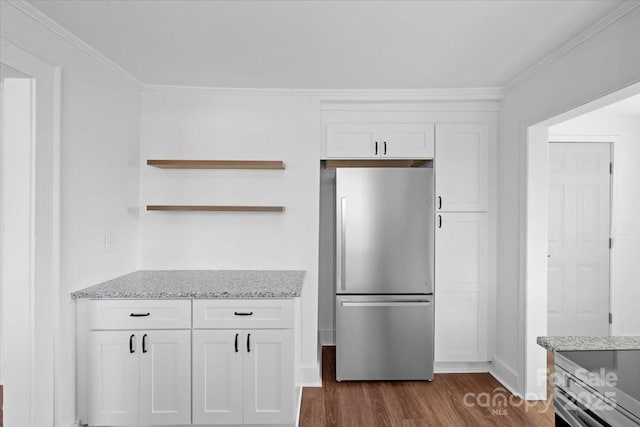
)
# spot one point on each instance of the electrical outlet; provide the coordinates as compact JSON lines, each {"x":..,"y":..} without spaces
{"x":109,"y":241}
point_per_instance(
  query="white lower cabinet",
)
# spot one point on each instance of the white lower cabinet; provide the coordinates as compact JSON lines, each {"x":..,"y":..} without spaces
{"x":139,"y":377}
{"x":153,"y":363}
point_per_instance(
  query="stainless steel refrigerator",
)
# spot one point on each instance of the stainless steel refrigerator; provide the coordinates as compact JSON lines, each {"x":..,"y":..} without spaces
{"x":384,"y":274}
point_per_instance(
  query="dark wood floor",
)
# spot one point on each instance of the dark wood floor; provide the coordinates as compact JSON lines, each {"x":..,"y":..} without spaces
{"x":417,"y":403}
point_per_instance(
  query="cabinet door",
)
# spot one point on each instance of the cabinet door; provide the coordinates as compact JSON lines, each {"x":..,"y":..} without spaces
{"x":165,"y":377}
{"x":461,"y":287}
{"x":217,"y":376}
{"x":113,"y":378}
{"x":461,"y":167}
{"x":349,"y":140}
{"x":407,"y":140}
{"x":269,"y":376}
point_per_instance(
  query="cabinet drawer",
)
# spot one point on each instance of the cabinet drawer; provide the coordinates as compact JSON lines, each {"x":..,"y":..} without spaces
{"x":139,"y":314}
{"x":243,"y":314}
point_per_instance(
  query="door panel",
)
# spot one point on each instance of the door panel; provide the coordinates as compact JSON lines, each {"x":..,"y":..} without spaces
{"x":384,"y":224}
{"x":461,"y":286}
{"x":407,"y":140}
{"x":348,"y":140}
{"x":113,"y":378}
{"x":165,"y":377}
{"x":461,"y":167}
{"x":217,"y":377}
{"x":269,"y":376}
{"x":579,"y":218}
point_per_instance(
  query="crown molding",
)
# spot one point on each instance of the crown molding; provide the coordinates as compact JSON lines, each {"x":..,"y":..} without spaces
{"x":573,"y":43}
{"x":444,"y":94}
{"x":31,"y":11}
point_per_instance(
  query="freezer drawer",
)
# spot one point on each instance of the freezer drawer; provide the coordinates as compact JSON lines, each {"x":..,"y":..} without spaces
{"x":384,"y":337}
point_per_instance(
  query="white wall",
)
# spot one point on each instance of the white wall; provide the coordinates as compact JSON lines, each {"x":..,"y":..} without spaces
{"x":600,"y":65}
{"x":625,"y":268}
{"x":100,"y":162}
{"x":251,"y":127}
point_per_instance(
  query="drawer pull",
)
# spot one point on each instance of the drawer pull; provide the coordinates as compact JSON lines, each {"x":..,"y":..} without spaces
{"x":237,"y":342}
{"x":131,"y":349}
{"x":144,"y":343}
{"x":139,"y":314}
{"x":248,"y":343}
{"x":239,"y":313}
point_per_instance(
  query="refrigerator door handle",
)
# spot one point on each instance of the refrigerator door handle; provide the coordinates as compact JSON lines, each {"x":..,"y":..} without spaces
{"x":386,"y":303}
{"x":343,"y":243}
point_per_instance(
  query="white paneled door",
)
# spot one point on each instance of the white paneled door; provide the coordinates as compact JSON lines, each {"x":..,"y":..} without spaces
{"x":579,"y":218}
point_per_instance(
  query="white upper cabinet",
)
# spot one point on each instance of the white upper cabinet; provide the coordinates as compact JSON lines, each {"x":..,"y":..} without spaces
{"x":407,"y":140}
{"x":373,"y":140}
{"x":461,"y":167}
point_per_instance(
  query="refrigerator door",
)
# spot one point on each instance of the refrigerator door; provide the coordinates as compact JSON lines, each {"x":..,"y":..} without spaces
{"x":384,"y":231}
{"x":384,"y":337}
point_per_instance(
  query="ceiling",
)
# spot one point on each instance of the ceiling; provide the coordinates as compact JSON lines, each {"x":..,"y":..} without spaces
{"x":326,"y":44}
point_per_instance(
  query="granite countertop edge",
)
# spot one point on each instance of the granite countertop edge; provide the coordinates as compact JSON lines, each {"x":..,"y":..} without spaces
{"x":585,"y":343}
{"x":198,"y":284}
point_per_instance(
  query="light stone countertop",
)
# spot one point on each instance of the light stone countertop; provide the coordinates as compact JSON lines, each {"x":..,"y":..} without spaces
{"x":577,"y":343}
{"x":155,"y":284}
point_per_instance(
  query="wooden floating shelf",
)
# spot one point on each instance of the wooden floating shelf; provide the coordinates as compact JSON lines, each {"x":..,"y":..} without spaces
{"x":217,"y":164}
{"x":400,"y":163}
{"x":201,"y":208}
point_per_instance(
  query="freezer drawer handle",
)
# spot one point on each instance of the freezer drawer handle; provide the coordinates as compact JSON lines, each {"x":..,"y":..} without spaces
{"x":139,"y":314}
{"x":239,"y":313}
{"x":386,"y":304}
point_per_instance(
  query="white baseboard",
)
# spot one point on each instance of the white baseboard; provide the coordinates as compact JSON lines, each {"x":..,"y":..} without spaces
{"x":327,"y":337}
{"x":460,"y":367}
{"x":505,"y":375}
{"x":299,"y":407}
{"x":309,"y":376}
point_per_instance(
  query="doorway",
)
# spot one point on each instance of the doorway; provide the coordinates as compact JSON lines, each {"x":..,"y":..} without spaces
{"x":534,"y":316}
{"x":30,"y":214}
{"x":579,"y":239}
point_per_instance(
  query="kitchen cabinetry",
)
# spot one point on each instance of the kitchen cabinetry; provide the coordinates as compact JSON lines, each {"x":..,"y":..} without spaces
{"x":461,"y":276}
{"x":184,"y":362}
{"x":243,"y":370}
{"x":138,"y":375}
{"x":461,"y":157}
{"x":373,"y":140}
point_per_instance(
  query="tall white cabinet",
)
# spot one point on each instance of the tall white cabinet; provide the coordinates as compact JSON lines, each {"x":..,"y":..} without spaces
{"x":462,"y":243}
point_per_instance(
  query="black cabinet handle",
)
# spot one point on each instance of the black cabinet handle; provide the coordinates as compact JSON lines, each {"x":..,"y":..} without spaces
{"x":385,"y":148}
{"x":237,"y":342}
{"x":239,"y":313}
{"x":144,"y":343}
{"x":439,"y":202}
{"x":248,"y":343}
{"x":131,"y":349}
{"x":439,"y":221}
{"x":376,"y":148}
{"x":139,"y":314}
